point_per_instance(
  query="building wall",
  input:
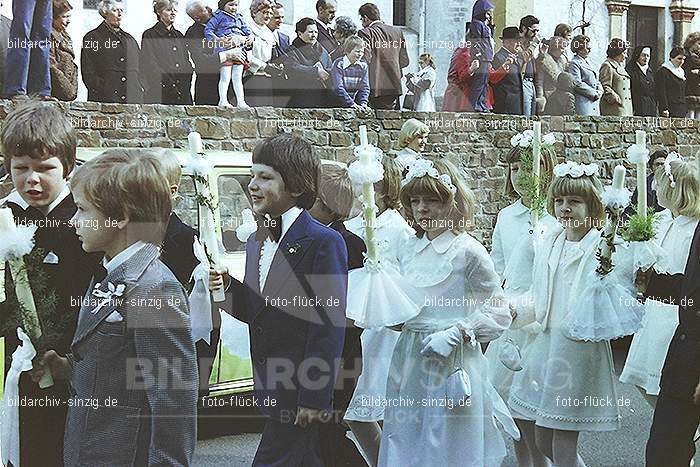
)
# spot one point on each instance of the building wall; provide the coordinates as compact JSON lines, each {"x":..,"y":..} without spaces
{"x":472,"y":140}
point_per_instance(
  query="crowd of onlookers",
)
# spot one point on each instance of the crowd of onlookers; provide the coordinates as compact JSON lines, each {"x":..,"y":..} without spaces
{"x":243,"y":59}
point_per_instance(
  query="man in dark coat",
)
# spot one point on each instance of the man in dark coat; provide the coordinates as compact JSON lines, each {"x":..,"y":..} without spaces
{"x":168,"y":74}
{"x":283,"y":44}
{"x":508,"y":81}
{"x":110,"y":60}
{"x":206,"y":63}
{"x":677,"y":412}
{"x":326,"y":13}
{"x":386,"y":54}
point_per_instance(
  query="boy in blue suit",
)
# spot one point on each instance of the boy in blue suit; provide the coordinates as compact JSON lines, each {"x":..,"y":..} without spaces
{"x":293,"y":299}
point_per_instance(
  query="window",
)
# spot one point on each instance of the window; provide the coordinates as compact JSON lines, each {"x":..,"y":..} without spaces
{"x":399,"y":12}
{"x":90,"y":4}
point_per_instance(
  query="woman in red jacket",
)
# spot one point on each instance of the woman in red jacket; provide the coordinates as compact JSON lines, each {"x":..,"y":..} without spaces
{"x":459,"y":78}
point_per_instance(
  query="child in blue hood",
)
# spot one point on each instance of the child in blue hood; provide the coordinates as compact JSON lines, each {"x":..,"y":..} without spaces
{"x":481,"y":40}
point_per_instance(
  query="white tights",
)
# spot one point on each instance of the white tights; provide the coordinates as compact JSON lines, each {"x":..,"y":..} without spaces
{"x":231,"y":74}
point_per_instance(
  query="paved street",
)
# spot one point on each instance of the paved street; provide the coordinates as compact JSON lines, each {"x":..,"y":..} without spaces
{"x":624,"y":448}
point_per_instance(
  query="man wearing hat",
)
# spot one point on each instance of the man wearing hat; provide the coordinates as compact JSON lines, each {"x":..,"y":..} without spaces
{"x":506,"y":79}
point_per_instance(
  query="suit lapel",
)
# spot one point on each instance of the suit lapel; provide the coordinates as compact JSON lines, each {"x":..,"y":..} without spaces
{"x":292,"y":248}
{"x":92,"y":312}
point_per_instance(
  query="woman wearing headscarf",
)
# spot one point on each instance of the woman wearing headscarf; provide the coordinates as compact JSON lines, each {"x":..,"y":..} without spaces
{"x":642,"y":82}
{"x":617,"y":94}
{"x":670,"y":85}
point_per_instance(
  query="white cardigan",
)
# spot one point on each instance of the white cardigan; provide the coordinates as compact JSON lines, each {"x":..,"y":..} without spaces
{"x":262,"y":48}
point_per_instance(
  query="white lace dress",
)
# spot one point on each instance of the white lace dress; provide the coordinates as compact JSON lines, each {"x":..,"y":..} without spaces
{"x":565,"y":384}
{"x":377,"y":344}
{"x":513,"y":254}
{"x":454,"y":276}
{"x":650,"y":344}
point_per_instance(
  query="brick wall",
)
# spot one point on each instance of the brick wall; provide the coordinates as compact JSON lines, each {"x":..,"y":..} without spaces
{"x":476,"y":141}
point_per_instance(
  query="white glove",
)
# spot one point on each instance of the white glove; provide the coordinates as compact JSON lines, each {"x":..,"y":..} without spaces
{"x":441,"y":343}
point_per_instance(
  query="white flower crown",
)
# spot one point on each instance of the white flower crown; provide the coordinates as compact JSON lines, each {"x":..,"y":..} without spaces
{"x":575,"y":170}
{"x":424,"y":167}
{"x":525,"y":139}
{"x":672,"y":156}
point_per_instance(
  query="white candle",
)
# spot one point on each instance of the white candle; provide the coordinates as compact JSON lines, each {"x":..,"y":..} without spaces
{"x":641,"y":140}
{"x":195,"y":140}
{"x":7,"y":222}
{"x":363,"y":135}
{"x":619,"y":177}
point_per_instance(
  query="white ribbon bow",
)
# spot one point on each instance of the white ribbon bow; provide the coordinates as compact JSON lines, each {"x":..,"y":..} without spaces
{"x":199,"y":299}
{"x":9,"y":412}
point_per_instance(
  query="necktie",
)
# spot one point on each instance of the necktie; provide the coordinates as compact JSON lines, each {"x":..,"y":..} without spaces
{"x":269,"y":227}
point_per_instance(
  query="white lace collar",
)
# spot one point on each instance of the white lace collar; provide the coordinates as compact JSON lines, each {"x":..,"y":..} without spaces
{"x":441,"y":244}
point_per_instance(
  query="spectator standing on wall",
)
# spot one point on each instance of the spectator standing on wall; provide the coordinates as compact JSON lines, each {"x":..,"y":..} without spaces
{"x":5,"y":24}
{"x":344,"y":28}
{"x":532,"y":49}
{"x":481,"y":40}
{"x":167,"y":72}
{"x":326,"y":10}
{"x":507,"y":81}
{"x":562,"y":101}
{"x":459,"y":79}
{"x":206,"y":64}
{"x":257,"y":79}
{"x":588,"y":89}
{"x":670,"y":85}
{"x":350,"y":75}
{"x":422,"y":84}
{"x":386,"y":55}
{"x":553,"y":63}
{"x":617,"y":93}
{"x":64,"y":71}
{"x":27,"y":61}
{"x":110,"y":57}
{"x":308,"y":66}
{"x":642,"y":83}
{"x":692,"y":74}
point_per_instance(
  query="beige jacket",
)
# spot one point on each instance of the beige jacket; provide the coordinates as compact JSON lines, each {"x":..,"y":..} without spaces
{"x":617,"y":89}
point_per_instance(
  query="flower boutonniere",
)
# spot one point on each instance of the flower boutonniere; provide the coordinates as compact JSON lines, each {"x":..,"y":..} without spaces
{"x":107,"y":295}
{"x":293,"y":249}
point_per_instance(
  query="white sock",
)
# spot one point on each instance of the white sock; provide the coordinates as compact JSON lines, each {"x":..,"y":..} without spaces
{"x":224,"y":83}
{"x":237,"y":80}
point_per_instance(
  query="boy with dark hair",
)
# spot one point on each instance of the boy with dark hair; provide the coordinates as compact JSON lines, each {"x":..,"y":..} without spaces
{"x":133,"y":344}
{"x":39,"y":147}
{"x":293,"y":299}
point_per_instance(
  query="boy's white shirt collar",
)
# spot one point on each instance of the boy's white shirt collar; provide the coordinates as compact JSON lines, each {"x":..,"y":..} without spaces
{"x":16,"y":198}
{"x":122,"y":257}
{"x":288,"y":219}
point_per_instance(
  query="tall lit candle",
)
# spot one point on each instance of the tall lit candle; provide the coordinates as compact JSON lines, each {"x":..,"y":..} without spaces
{"x":641,"y":138}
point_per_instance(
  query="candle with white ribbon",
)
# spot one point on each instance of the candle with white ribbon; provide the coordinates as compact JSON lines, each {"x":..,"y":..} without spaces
{"x":369,"y":211}
{"x":641,"y":137}
{"x":207,"y":227}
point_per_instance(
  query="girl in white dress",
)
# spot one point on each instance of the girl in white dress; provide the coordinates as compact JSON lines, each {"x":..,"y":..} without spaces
{"x":430,"y":419}
{"x":366,"y":408}
{"x":513,"y":254}
{"x":677,"y":190}
{"x":422,"y":84}
{"x":566,"y":386}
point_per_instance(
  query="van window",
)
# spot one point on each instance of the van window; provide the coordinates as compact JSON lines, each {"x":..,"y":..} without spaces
{"x":185,"y":204}
{"x":233,"y":199}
